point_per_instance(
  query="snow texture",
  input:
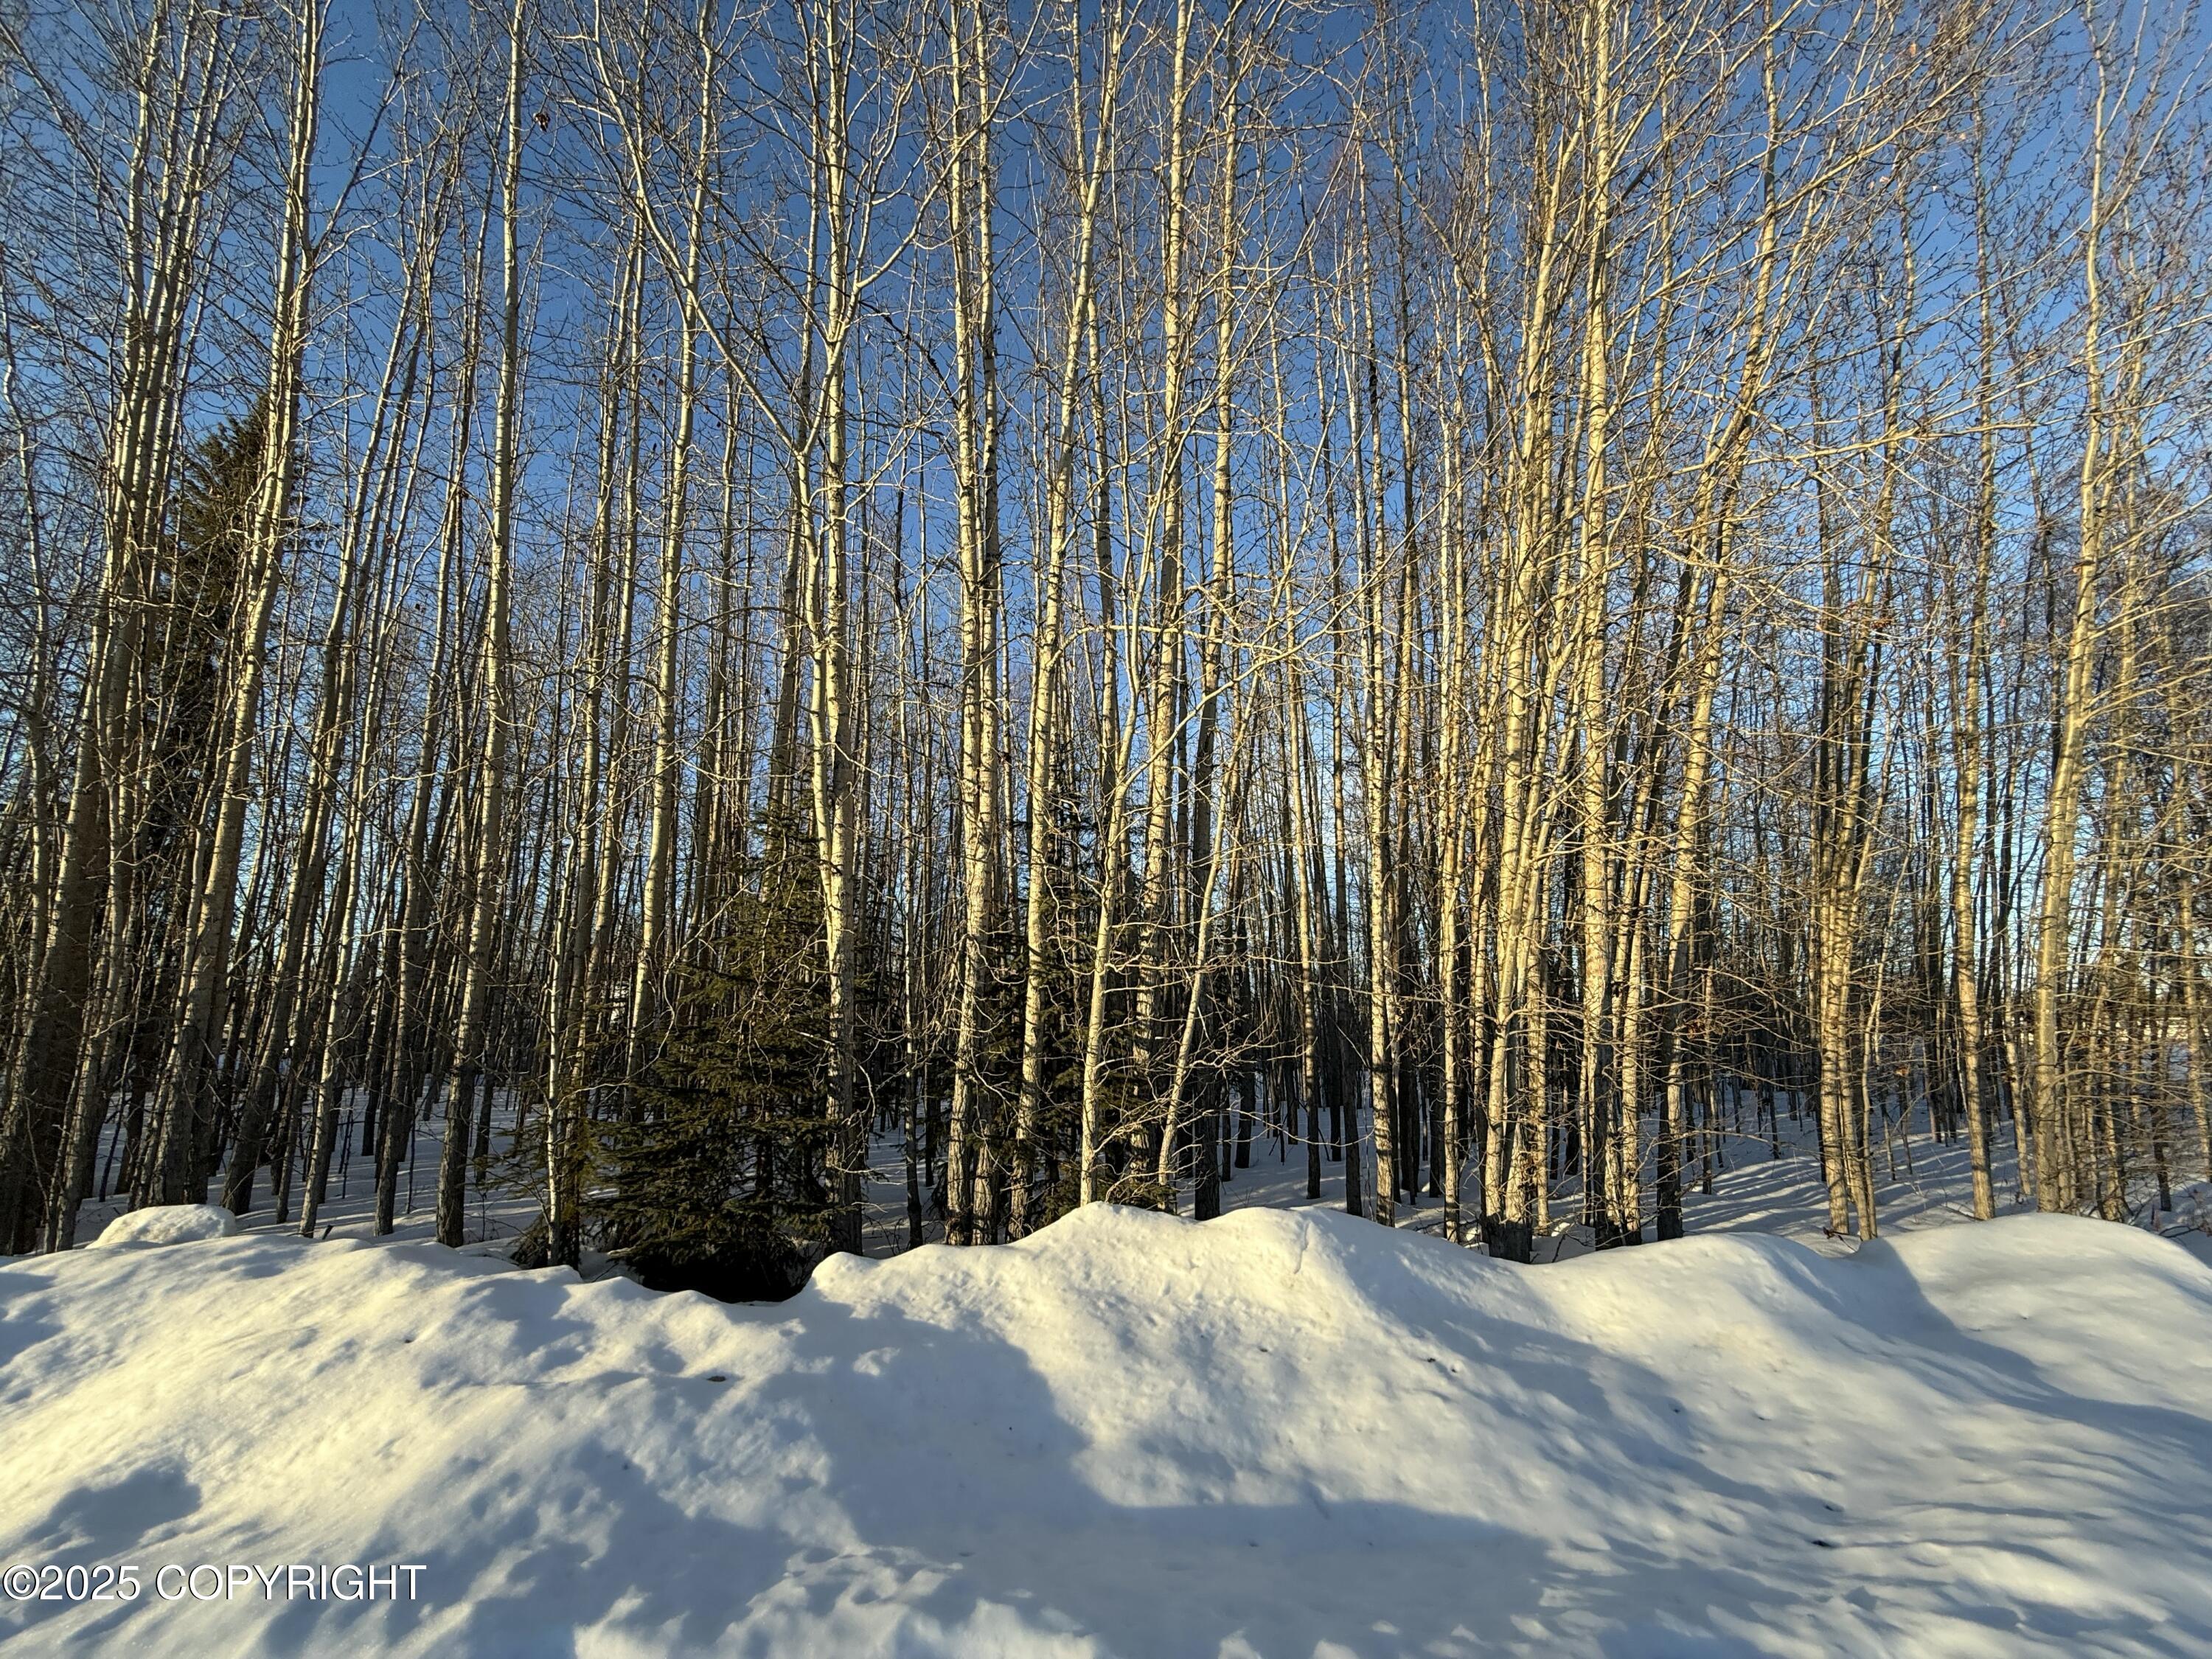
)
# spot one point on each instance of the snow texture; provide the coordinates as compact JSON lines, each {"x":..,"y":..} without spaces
{"x":1278,"y":1433}
{"x":169,"y":1224}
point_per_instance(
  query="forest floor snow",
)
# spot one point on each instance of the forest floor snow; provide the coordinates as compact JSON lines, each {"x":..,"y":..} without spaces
{"x":1281,"y":1433}
{"x":1757,"y":1187}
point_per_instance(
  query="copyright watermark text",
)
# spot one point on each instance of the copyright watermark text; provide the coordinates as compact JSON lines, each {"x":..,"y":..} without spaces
{"x":209,"y":1580}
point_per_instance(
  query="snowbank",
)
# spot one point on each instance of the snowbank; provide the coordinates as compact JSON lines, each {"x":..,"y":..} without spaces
{"x":1280,"y":1434}
{"x":169,"y":1224}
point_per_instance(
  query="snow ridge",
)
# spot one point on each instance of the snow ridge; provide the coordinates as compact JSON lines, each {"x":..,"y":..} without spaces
{"x":1273,"y":1433}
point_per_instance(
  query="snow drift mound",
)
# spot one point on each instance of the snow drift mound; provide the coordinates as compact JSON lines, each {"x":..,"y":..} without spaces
{"x":1273,"y":1433}
{"x":169,"y":1224}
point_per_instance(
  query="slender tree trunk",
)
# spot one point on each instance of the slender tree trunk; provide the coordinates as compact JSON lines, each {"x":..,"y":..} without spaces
{"x":489,"y":867}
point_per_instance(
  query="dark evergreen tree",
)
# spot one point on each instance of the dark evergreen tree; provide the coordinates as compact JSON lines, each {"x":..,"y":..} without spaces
{"x":714,"y":1175}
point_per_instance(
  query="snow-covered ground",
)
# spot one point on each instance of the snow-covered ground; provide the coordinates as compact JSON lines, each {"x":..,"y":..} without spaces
{"x":497,"y":1213}
{"x":1920,"y":1182}
{"x":1285,"y":1432}
{"x":1281,"y":1433}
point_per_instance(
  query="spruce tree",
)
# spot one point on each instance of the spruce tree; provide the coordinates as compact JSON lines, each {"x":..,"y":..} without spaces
{"x":715,"y":1173}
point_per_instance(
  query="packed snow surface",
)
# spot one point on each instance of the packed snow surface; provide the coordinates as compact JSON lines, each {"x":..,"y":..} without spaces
{"x":1273,"y":1433}
{"x":169,"y":1224}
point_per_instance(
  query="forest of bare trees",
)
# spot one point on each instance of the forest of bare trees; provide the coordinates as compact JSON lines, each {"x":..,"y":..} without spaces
{"x":1515,"y":600}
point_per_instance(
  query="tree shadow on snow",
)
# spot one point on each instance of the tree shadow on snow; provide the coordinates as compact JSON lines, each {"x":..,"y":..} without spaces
{"x":887,"y":1484}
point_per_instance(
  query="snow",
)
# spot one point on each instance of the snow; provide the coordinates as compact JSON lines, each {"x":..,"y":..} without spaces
{"x":1281,"y":1432}
{"x":170,"y":1224}
{"x":496,"y":1215}
{"x":1919,"y":1183}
